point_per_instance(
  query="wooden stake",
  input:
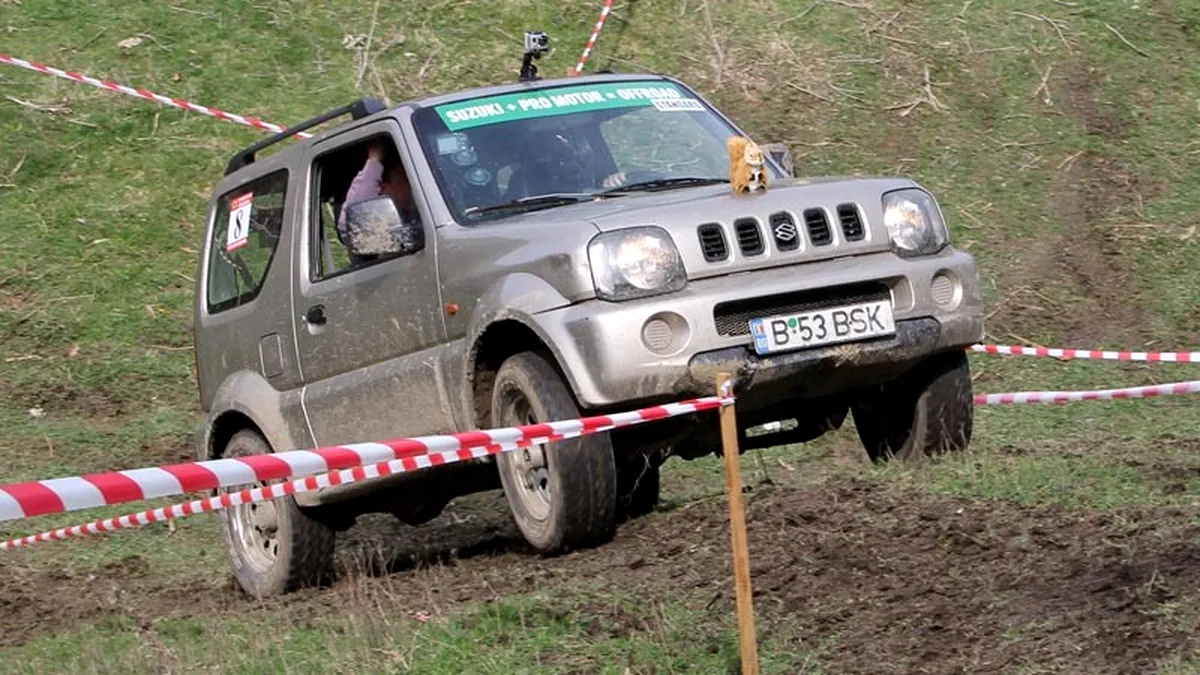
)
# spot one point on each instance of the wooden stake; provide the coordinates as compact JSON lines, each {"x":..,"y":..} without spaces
{"x":737,"y":522}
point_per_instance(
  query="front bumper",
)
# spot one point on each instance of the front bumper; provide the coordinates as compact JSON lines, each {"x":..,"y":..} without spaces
{"x":607,"y":355}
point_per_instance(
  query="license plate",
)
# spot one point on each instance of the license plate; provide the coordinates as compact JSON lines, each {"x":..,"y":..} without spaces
{"x":847,"y":323}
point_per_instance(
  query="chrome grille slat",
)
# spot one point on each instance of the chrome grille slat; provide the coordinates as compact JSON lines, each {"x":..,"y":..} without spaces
{"x":712,"y":242}
{"x":749,"y":237}
{"x":851,"y":222}
{"x":819,"y":232}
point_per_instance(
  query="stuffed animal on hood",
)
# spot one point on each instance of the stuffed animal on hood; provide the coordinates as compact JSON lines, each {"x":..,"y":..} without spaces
{"x":747,"y":168}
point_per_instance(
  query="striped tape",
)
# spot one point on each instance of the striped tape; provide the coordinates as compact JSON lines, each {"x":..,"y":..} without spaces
{"x":1027,"y":397}
{"x":591,"y":43}
{"x":307,"y":484}
{"x":59,"y":495}
{"x":552,"y":432}
{"x":146,"y":95}
{"x":1094,"y":354}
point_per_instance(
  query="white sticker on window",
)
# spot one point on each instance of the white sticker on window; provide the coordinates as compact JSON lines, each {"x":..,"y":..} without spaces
{"x":673,"y":104}
{"x":239,"y":222}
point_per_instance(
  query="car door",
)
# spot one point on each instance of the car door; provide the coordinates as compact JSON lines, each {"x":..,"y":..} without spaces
{"x":367,"y":336}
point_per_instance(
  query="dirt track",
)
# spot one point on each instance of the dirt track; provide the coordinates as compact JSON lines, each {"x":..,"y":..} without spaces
{"x":896,"y":576}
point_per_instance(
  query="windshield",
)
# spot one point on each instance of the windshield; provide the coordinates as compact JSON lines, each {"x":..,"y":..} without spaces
{"x":499,"y":155}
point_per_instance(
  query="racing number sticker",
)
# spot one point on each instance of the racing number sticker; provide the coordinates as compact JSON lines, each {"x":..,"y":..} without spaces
{"x":239,"y":222}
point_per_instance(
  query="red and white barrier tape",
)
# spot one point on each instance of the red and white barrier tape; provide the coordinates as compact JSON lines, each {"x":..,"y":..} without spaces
{"x":1026,"y":397}
{"x":147,"y":95}
{"x":308,"y":484}
{"x":58,"y":495}
{"x":475,"y":447}
{"x":1095,"y":354}
{"x":595,"y":36}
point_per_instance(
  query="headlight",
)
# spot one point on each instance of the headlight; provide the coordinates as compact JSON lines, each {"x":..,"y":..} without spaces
{"x":914,"y":222}
{"x":634,"y":263}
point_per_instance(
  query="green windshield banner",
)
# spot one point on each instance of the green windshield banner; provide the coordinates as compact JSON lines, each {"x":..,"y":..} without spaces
{"x":563,"y":101}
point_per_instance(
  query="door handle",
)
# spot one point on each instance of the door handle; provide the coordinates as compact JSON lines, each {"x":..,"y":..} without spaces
{"x":315,"y":315}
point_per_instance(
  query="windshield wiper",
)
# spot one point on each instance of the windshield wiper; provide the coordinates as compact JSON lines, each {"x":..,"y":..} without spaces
{"x":677,"y":181}
{"x":533,"y":202}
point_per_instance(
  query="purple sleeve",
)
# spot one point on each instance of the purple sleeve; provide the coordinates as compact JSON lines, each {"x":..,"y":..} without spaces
{"x":364,"y":186}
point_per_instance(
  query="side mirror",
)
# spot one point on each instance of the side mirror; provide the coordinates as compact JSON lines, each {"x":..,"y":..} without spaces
{"x":375,"y":227}
{"x":781,"y":154}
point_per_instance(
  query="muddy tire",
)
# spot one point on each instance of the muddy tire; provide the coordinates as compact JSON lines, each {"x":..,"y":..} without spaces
{"x":273,"y":546}
{"x":564,"y":498}
{"x":926,"y":412}
{"x":638,"y":488}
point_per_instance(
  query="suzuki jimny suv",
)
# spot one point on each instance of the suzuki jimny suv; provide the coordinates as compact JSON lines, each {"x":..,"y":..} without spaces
{"x":563,"y":248}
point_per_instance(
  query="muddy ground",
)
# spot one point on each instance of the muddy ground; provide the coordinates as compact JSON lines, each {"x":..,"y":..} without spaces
{"x":895,"y":575}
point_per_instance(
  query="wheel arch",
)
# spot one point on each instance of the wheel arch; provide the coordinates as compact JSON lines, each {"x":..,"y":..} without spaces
{"x":499,"y":340}
{"x":506,"y":322}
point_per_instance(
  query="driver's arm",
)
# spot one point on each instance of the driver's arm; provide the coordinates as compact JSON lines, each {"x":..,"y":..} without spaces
{"x":365,"y":184}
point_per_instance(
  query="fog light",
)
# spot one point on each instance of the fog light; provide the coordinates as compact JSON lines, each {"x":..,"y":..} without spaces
{"x":665,"y":333}
{"x":945,"y":289}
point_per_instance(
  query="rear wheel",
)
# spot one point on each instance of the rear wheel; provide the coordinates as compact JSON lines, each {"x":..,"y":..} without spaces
{"x":925,"y":412}
{"x":274,"y":546}
{"x":638,"y":487}
{"x":560,"y":498}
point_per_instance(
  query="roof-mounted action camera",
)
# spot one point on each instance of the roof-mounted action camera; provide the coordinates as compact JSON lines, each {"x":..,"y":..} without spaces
{"x":536,"y":44}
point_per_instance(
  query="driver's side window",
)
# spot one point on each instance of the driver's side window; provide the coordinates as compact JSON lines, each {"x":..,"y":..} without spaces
{"x":353,"y":173}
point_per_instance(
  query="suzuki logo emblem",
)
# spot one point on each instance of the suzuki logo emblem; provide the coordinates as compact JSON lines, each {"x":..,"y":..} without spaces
{"x":785,"y":232}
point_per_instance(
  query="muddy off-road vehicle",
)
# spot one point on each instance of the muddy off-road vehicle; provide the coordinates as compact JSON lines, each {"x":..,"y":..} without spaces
{"x":573,"y":247}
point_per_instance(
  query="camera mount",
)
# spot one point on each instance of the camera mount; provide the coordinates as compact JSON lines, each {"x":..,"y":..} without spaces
{"x":537,"y":43}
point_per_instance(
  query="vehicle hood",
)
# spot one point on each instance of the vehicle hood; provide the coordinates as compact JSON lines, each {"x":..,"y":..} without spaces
{"x":682,"y":211}
{"x":717,"y":203}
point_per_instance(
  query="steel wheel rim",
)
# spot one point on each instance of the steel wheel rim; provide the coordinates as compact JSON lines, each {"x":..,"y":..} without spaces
{"x":527,"y":468}
{"x":255,"y":532}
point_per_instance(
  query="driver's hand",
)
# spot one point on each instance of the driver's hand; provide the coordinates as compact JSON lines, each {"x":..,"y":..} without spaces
{"x":615,"y":180}
{"x":375,"y":151}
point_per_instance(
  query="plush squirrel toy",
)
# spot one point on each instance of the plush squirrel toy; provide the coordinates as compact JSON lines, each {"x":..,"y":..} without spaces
{"x":746,"y":165}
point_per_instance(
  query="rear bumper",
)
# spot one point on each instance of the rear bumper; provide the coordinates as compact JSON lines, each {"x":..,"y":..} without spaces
{"x":611,"y":361}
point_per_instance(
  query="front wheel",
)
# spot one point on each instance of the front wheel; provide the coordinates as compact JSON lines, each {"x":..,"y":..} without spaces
{"x":561,"y":497}
{"x":925,"y":412}
{"x":273,"y":545}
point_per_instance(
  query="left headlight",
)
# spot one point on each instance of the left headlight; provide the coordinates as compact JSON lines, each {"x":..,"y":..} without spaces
{"x":914,"y":222}
{"x":635,"y":263}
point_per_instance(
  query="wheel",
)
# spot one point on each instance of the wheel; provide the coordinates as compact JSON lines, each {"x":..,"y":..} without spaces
{"x":638,"y":487}
{"x":565,"y":498}
{"x":273,"y":546}
{"x":925,"y":412}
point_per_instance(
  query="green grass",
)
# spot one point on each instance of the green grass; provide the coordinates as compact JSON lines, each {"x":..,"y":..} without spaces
{"x":580,"y":630}
{"x":104,"y":202}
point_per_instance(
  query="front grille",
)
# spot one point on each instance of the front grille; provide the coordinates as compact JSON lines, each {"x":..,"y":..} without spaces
{"x":852,"y":226}
{"x":749,"y":237}
{"x":712,"y":242}
{"x":784,"y":230}
{"x":733,"y":318}
{"x":819,"y":232}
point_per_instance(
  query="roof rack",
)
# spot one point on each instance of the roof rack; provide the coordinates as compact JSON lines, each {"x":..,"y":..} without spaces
{"x":359,"y":109}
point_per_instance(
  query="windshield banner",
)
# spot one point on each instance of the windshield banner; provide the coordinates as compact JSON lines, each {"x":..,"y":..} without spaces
{"x":562,"y":101}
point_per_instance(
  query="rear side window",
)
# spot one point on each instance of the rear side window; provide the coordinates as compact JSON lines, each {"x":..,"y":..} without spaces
{"x":245,"y":235}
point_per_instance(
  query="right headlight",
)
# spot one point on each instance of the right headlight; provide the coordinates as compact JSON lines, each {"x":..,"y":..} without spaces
{"x":634,"y":263}
{"x":914,"y":222}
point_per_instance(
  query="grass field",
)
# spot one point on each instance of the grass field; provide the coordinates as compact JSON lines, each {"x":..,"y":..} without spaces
{"x":1060,"y":138}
